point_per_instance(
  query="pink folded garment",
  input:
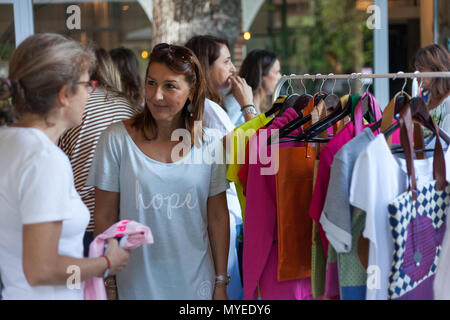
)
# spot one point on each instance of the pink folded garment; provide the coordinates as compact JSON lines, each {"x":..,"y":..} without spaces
{"x":133,"y":235}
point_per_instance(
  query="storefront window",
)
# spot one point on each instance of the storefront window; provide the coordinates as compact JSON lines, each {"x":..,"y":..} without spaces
{"x":109,"y":24}
{"x":7,"y":37}
{"x":320,"y":36}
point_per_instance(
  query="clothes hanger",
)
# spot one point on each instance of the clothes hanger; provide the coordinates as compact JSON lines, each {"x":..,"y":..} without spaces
{"x":276,"y":106}
{"x":332,"y":100}
{"x":294,"y":124}
{"x":331,"y":119}
{"x":303,"y":100}
{"x":421,"y":115}
{"x":399,"y":101}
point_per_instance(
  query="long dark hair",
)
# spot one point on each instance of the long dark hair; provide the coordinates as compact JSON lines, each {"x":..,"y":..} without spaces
{"x":180,"y":60}
{"x":128,"y":66}
{"x":207,"y":49}
{"x":435,"y":58}
{"x":255,"y":66}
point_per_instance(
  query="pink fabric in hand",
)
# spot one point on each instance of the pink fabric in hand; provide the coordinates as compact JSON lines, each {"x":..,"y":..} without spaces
{"x":136,"y":235}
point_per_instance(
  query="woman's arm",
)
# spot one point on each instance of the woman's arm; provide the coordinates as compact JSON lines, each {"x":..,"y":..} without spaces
{"x":106,"y":212}
{"x":42,"y":265}
{"x":219,"y":237}
{"x":243,"y":94}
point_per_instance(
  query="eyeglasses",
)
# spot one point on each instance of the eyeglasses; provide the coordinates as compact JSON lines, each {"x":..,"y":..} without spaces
{"x":91,"y":85}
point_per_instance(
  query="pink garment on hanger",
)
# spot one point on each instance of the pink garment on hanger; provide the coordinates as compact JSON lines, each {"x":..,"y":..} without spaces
{"x":260,"y":256}
{"x":134,"y":235}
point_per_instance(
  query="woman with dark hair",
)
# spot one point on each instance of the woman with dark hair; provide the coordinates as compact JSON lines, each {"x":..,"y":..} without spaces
{"x":143,"y":172}
{"x":43,"y":218}
{"x":128,"y":66}
{"x":215,"y":58}
{"x":261,"y":70}
{"x":436,"y":58}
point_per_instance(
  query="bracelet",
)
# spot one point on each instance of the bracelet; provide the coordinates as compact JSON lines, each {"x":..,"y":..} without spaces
{"x":110,"y":283}
{"x":247,"y":106}
{"x":105,"y":275}
{"x":223,"y":279}
{"x":220,"y":285}
{"x":249,"y":110}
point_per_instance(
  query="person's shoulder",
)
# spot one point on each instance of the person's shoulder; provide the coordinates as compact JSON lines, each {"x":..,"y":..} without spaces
{"x":211,"y":105}
{"x":446,"y":105}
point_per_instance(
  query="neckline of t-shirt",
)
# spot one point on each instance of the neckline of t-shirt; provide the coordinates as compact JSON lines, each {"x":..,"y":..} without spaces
{"x":400,"y":163}
{"x":39,"y":132}
{"x":170,"y":164}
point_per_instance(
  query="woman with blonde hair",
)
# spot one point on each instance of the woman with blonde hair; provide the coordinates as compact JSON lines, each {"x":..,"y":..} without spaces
{"x":43,"y":218}
{"x":107,"y":105}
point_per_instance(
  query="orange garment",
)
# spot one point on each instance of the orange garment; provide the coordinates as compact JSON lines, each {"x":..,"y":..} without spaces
{"x":294,"y":187}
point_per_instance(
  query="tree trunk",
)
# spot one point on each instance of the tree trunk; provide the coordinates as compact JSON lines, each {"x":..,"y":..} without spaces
{"x":176,"y":21}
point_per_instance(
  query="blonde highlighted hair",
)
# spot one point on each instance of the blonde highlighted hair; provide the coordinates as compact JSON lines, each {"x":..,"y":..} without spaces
{"x":39,"y":68}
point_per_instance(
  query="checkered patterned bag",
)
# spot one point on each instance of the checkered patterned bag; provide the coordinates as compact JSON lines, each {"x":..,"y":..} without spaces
{"x":418,"y":220}
{"x":418,"y":228}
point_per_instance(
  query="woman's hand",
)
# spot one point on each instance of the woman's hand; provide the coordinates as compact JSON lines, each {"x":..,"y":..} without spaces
{"x":220,"y":293}
{"x":241,"y":91}
{"x":119,"y":257}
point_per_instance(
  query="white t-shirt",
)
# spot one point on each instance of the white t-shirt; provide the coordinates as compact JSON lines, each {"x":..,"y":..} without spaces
{"x":214,"y":117}
{"x":36,"y":187}
{"x":378,"y":178}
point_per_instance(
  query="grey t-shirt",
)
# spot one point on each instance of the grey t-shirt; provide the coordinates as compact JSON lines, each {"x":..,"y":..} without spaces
{"x":171,"y":199}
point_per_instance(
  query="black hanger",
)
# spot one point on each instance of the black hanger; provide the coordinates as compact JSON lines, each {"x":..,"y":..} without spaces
{"x":294,"y":124}
{"x":276,"y":106}
{"x":289,"y":102}
{"x":302,"y":103}
{"x":327,"y":122}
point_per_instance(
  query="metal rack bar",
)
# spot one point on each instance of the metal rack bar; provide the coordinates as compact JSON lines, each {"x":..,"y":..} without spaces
{"x":355,"y":76}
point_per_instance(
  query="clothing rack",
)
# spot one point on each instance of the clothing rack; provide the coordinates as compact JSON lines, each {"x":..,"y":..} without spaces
{"x":358,"y":76}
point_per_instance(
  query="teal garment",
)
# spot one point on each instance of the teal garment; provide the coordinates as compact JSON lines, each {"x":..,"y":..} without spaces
{"x":171,"y":199}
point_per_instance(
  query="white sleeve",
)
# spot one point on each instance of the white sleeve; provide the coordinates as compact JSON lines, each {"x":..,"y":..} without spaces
{"x":45,"y":189}
{"x":363,"y":192}
{"x":214,"y":117}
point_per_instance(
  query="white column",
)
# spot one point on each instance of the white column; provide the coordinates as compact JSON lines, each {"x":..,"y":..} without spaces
{"x":23,"y":20}
{"x":381,"y":52}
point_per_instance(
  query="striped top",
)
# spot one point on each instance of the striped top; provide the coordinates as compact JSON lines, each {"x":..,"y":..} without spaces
{"x":79,"y":143}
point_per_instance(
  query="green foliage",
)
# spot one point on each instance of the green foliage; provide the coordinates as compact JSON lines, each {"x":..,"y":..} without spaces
{"x":332,"y":38}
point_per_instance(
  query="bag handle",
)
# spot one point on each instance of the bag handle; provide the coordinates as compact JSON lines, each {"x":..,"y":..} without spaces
{"x":406,"y":124}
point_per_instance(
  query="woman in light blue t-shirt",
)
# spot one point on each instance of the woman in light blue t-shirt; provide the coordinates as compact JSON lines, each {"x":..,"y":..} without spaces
{"x":162,"y":170}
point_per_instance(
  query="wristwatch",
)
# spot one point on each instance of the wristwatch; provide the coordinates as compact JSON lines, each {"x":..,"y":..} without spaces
{"x":249,"y":109}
